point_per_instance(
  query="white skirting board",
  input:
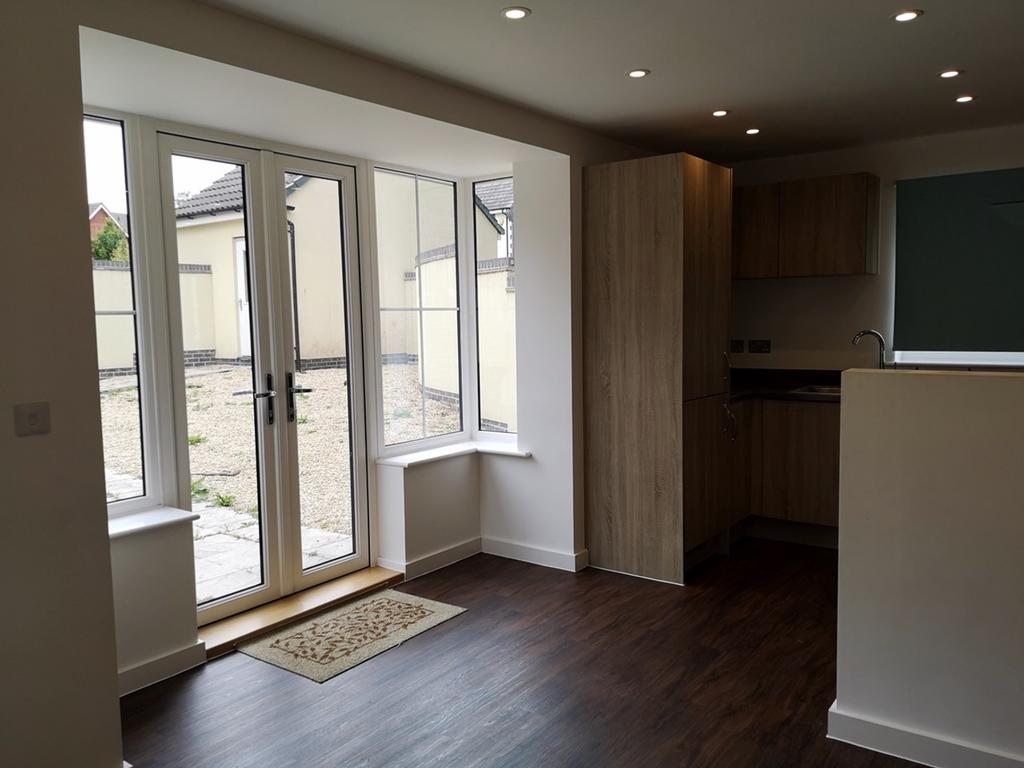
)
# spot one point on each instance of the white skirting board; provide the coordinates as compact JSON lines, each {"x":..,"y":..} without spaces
{"x":565,"y":561}
{"x":550,"y":558}
{"x":433,"y":561}
{"x":924,"y":748}
{"x":154,"y":670}
{"x":425,"y":564}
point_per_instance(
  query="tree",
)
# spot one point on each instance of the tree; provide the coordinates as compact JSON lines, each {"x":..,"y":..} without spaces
{"x":110,"y":244}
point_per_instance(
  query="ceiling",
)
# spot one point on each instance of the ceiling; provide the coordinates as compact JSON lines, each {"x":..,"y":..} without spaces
{"x":811,"y":74}
{"x":136,"y":77}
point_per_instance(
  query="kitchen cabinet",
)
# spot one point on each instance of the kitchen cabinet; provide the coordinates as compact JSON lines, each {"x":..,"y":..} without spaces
{"x":755,"y":232}
{"x":745,"y":460}
{"x":800,"y":461}
{"x":707,"y":277}
{"x":708,"y":454}
{"x":722,"y":463}
{"x":807,"y":227}
{"x":656,"y":285}
{"x":829,"y":226}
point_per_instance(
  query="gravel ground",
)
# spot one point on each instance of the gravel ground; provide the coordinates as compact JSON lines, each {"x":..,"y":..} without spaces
{"x":403,"y":408}
{"x":122,"y":451}
{"x":220,"y":427}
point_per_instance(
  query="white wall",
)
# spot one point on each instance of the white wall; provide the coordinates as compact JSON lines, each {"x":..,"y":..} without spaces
{"x":444,"y":499}
{"x":527,"y":506}
{"x":154,"y":602}
{"x":58,"y":705}
{"x":430,"y":514}
{"x":810,"y":320}
{"x":931,"y":576}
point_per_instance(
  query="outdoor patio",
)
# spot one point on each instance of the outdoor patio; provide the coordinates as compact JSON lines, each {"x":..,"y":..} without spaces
{"x":223,"y":462}
{"x":228,"y":556}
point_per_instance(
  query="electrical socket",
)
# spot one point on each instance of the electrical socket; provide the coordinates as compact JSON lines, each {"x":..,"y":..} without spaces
{"x":760,"y":346}
{"x":31,"y":419}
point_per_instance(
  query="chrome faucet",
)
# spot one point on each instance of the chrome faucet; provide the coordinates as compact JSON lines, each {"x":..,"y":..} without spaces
{"x":881,"y":344}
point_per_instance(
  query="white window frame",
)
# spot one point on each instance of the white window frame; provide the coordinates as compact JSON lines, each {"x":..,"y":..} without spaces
{"x":478,"y":435}
{"x":371,"y":285}
{"x":156,"y":370}
{"x":152,"y":350}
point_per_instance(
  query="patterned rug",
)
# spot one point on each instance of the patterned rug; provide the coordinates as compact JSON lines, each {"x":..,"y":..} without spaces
{"x":331,"y":642}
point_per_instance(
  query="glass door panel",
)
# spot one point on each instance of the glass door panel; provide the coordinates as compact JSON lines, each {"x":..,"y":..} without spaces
{"x":222,"y":413}
{"x":323,"y":377}
{"x":268,"y":393}
{"x":225,"y":402}
{"x":320,"y":405}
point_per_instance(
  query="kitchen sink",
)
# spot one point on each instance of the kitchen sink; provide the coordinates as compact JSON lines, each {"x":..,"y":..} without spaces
{"x":818,"y":389}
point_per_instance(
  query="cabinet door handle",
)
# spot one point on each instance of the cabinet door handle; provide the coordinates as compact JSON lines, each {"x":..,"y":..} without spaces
{"x":731,"y":427}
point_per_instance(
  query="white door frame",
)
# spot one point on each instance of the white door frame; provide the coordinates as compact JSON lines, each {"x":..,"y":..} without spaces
{"x":292,"y":576}
{"x":263,"y":348}
{"x":267,"y":254}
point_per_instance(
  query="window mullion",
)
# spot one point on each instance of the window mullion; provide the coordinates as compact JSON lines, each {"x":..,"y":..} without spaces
{"x":419,"y":315}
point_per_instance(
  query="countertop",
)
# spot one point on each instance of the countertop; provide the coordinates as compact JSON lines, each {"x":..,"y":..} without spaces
{"x":779,"y":384}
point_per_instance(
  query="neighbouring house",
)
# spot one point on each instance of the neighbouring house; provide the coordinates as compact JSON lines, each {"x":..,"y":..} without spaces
{"x":496,"y":303}
{"x":215,"y":296}
{"x":100,"y":214}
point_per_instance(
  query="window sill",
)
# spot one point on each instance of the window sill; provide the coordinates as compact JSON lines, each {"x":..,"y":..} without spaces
{"x":449,"y":451}
{"x":148,"y":520}
{"x":960,"y":359}
{"x":501,"y":449}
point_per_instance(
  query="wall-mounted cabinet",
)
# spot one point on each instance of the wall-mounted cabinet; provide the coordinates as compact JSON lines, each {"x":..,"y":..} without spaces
{"x":808,"y":227}
{"x":755,"y":231}
{"x":656,"y":277}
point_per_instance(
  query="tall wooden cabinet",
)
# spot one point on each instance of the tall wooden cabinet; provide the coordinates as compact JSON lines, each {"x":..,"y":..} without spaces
{"x":656,"y":282}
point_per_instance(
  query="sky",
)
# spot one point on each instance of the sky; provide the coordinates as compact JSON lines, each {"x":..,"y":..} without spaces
{"x":105,"y":173}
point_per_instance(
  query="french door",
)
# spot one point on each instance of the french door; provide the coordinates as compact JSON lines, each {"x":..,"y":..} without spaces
{"x":263,"y":276}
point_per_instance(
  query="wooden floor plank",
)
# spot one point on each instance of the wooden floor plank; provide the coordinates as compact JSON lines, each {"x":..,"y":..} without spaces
{"x":222,"y":636}
{"x":545,"y":668}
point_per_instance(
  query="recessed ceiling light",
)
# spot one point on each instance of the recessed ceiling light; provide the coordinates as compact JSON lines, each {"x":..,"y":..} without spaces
{"x":966,"y":98}
{"x":636,"y":74}
{"x":720,"y":113}
{"x":516,"y":12}
{"x":907,"y":14}
{"x":948,"y":73}
{"x":753,"y":131}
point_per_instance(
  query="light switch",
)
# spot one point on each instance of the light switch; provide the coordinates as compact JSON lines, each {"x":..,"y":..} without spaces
{"x":31,"y":419}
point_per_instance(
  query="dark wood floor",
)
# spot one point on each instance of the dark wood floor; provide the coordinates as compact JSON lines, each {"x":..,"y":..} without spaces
{"x":544,"y":669}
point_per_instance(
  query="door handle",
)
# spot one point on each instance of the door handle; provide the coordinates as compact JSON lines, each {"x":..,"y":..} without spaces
{"x":289,"y":381}
{"x":269,"y":396}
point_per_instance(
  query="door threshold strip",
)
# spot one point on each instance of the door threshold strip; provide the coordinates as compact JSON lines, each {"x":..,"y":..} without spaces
{"x":222,"y":636}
